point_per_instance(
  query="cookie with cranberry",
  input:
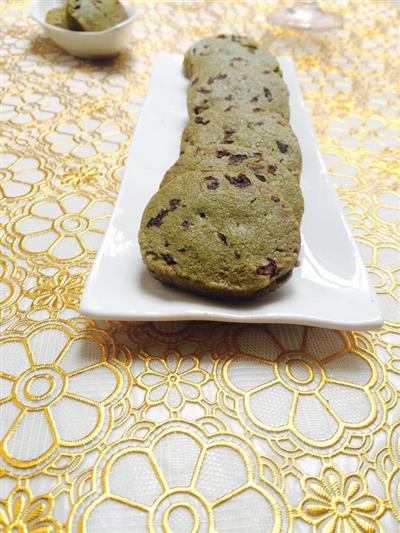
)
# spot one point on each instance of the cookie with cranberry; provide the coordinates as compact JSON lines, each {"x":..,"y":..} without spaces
{"x":227,"y":90}
{"x":226,"y":235}
{"x":265,"y":169}
{"x":225,"y":49}
{"x":268,"y":134}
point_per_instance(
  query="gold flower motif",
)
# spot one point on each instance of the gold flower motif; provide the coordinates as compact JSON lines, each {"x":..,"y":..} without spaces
{"x":281,"y":374}
{"x":61,"y":380}
{"x":173,"y":380}
{"x":96,"y":83}
{"x":335,"y":502}
{"x":21,"y":513}
{"x":56,"y":292}
{"x":179,"y":478}
{"x":81,"y":176}
{"x":351,"y":130}
{"x":20,"y":175}
{"x":11,"y":278}
{"x":24,"y":109}
{"x":382,"y":262}
{"x":63,"y":229}
{"x":86,"y":138}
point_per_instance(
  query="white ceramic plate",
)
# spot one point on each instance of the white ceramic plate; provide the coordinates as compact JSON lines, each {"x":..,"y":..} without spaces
{"x":330,"y":288}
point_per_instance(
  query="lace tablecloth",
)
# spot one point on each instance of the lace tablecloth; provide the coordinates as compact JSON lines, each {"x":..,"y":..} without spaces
{"x":190,"y":427}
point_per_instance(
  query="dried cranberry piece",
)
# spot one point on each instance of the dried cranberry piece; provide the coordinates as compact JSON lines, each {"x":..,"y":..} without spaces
{"x":158,"y":219}
{"x":203,"y":90}
{"x":217,"y":77}
{"x":282,"y":146}
{"x":222,"y":238}
{"x":213,"y":183}
{"x":255,"y":99}
{"x":222,"y":153}
{"x":267,"y":94}
{"x":257,"y":109}
{"x":268,"y":269}
{"x":199,"y":109}
{"x":174,"y":203}
{"x":271,"y":169}
{"x":261,"y":177}
{"x":237,"y":158}
{"x":186,"y":224}
{"x":238,"y":181}
{"x":275,"y":199}
{"x":228,"y":132}
{"x":200,"y":120}
{"x":168,"y":259}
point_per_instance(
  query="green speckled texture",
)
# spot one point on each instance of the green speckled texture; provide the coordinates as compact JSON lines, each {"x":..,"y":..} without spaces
{"x":56,"y":17}
{"x":266,"y":133}
{"x":224,"y":48}
{"x":249,"y":90}
{"x":220,"y":237}
{"x":225,"y":222}
{"x":93,"y":15}
{"x":264,"y":168}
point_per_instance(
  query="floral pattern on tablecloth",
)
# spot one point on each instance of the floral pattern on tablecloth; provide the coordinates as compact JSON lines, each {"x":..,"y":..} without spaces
{"x":178,"y":426}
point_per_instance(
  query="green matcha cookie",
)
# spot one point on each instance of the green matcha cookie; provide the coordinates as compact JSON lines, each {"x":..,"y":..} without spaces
{"x":268,"y":134}
{"x":56,"y":17}
{"x":225,"y":235}
{"x":227,"y":48}
{"x":262,"y":168}
{"x":226,"y":90}
{"x":94,"y":15}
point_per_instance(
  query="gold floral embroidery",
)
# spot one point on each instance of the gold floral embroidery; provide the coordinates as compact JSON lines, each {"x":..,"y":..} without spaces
{"x":23,"y":514}
{"x":173,"y":380}
{"x":86,"y":138}
{"x":11,"y":278}
{"x":22,"y":110}
{"x":20,"y":175}
{"x":63,"y":229}
{"x":81,"y":176}
{"x":56,"y":292}
{"x":53,"y":386}
{"x":212,"y":482}
{"x":290,"y":372}
{"x":67,"y":125}
{"x":340,"y":503}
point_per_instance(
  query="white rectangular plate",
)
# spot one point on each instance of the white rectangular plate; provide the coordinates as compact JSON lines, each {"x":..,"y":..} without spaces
{"x":329,"y":289}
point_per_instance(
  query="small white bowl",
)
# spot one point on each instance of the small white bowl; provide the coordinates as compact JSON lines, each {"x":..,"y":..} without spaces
{"x":88,"y":45}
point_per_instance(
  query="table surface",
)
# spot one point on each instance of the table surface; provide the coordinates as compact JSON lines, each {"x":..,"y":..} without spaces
{"x":178,"y":426}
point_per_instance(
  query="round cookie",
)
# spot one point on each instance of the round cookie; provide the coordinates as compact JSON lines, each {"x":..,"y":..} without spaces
{"x":266,"y":170}
{"x":268,"y":134}
{"x":227,"y":48}
{"x":224,"y":236}
{"x":227,"y":89}
{"x":56,"y":17}
{"x":93,"y":15}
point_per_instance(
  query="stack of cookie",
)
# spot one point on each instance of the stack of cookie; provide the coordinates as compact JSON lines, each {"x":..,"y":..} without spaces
{"x":225,"y":222}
